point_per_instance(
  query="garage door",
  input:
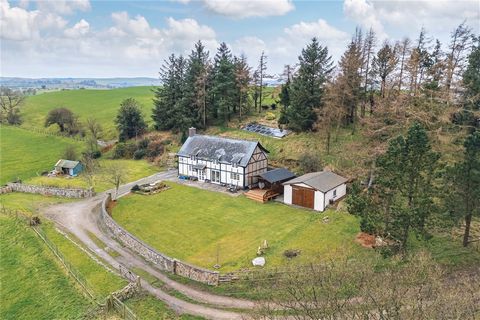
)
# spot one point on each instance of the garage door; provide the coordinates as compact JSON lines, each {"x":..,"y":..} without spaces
{"x":303,"y":197}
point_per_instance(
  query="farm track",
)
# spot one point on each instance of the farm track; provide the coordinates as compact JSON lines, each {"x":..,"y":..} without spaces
{"x":82,"y":217}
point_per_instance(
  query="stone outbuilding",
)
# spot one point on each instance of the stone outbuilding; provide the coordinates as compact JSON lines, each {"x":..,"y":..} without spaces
{"x":316,"y":190}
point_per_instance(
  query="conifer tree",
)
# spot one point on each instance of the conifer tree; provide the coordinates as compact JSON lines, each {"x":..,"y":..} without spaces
{"x":129,"y":121}
{"x":223,"y":83}
{"x":383,"y":65}
{"x":471,"y":78}
{"x":307,"y":88}
{"x":242,"y":81}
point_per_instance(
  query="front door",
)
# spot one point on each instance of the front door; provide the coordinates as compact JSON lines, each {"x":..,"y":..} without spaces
{"x":201,"y":175}
{"x":215,"y":176}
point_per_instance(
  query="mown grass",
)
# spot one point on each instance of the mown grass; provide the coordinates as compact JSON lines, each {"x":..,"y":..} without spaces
{"x":34,"y":286}
{"x":24,"y":154}
{"x":193,"y":225}
{"x":99,"y":104}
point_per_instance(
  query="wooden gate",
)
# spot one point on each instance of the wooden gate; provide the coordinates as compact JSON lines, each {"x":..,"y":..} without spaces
{"x":303,"y":197}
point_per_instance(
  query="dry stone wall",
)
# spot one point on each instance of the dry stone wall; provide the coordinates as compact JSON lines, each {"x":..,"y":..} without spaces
{"x":51,"y":191}
{"x":158,"y":259}
{"x":5,"y":189}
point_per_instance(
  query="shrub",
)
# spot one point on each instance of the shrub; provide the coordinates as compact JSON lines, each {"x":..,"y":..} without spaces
{"x":270,"y":116}
{"x":139,"y":154}
{"x":143,"y":144}
{"x":309,"y":162}
{"x":273,"y":106}
{"x":155,"y":148}
{"x":70,"y":153}
{"x":119,"y":151}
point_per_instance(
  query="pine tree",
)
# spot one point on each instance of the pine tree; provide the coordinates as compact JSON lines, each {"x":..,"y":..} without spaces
{"x":403,"y":49}
{"x":168,"y":97}
{"x":307,"y":88}
{"x":383,"y":65}
{"x":367,"y":56}
{"x":223,"y":83}
{"x":262,"y":67}
{"x":194,"y":102}
{"x":129,"y":121}
{"x":242,"y":81}
{"x":463,"y":185}
{"x":405,"y":180}
{"x":349,"y":81}
{"x":471,"y":78}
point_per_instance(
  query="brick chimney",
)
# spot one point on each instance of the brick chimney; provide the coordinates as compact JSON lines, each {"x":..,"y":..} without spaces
{"x":192,"y":131}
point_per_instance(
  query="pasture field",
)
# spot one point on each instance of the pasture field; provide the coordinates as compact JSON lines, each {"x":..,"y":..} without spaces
{"x":99,"y":104}
{"x":34,"y":286}
{"x":194,"y":225}
{"x":24,"y":154}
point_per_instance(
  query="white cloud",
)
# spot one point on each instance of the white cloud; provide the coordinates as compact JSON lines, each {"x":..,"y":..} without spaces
{"x":240,"y":9}
{"x":364,"y":13}
{"x":252,"y":48}
{"x":80,"y":29}
{"x":16,"y":23}
{"x":63,"y":7}
{"x":438,"y":17}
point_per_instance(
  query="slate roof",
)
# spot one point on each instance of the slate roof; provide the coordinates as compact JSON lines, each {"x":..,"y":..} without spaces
{"x":323,"y":180}
{"x":69,"y":164}
{"x":225,"y":150}
{"x":276,"y":175}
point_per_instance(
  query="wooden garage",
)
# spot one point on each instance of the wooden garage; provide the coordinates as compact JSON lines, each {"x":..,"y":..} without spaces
{"x":303,"y":197}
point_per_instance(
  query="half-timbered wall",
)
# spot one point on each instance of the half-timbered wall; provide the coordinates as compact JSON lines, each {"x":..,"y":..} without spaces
{"x":257,"y":165}
{"x":228,"y":172}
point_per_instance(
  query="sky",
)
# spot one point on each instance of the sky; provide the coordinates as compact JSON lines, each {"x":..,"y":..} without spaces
{"x":88,"y":38}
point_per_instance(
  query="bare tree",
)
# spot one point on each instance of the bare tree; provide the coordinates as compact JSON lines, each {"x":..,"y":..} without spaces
{"x":242,"y":79}
{"x":94,"y":130}
{"x":402,"y":50}
{"x":368,"y":51}
{"x":116,"y":175}
{"x":10,"y":101}
{"x":262,"y":67}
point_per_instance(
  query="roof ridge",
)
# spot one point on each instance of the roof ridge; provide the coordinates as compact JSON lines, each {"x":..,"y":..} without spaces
{"x":226,"y":138}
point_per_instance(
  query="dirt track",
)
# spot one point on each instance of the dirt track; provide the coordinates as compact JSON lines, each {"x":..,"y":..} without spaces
{"x":82,"y":217}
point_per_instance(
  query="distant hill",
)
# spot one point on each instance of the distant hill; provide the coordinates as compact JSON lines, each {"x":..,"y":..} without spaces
{"x":76,"y":83}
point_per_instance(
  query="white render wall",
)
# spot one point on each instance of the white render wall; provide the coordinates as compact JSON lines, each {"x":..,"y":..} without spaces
{"x":321,"y":200}
{"x":225,"y":176}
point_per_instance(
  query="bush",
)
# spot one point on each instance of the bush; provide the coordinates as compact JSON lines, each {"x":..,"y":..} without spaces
{"x":273,"y":106}
{"x":119,"y":151}
{"x":310,"y":162}
{"x":139,"y":154}
{"x":143,"y":144}
{"x":464,"y":117}
{"x":270,"y":116}
{"x":70,"y":153}
{"x":155,"y":148}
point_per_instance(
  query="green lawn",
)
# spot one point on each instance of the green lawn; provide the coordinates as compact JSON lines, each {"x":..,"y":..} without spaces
{"x":33,"y":284}
{"x":100,"y":104}
{"x":134,"y":170}
{"x":24,"y":154}
{"x":190,"y":224}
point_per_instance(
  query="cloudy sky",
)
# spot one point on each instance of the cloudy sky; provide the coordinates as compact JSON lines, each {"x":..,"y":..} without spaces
{"x":87,"y":38}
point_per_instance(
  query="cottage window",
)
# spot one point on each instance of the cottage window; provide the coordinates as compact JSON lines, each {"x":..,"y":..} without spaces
{"x":335,"y":193}
{"x":234,"y":176}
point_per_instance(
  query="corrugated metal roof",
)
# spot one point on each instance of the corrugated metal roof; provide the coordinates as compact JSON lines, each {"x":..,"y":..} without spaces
{"x":276,"y":175}
{"x":69,"y":164}
{"x":219,"y":149}
{"x":323,"y":180}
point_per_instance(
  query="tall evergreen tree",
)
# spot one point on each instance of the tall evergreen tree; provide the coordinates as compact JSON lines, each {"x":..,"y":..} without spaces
{"x":383,"y":65}
{"x":223,"y":83}
{"x":168,"y":110}
{"x":307,"y":88}
{"x":405,"y":182}
{"x":129,"y":121}
{"x":349,"y":81}
{"x":194,"y":102}
{"x":242,"y":81}
{"x":367,"y":57}
{"x":262,"y":67}
{"x":463,"y":185}
{"x":471,"y":78}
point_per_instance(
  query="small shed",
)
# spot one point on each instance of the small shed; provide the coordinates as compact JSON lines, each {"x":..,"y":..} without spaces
{"x":69,"y":167}
{"x":315,"y":190}
{"x":273,"y":179}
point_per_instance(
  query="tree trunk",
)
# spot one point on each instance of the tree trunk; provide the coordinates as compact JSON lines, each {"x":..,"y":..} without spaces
{"x":466,"y":235}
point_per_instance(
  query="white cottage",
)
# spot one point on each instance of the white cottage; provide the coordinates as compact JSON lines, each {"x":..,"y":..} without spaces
{"x":222,"y":160}
{"x":315,"y":190}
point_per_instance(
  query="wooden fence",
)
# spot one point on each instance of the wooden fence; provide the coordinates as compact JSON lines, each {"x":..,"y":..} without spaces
{"x":111,"y":303}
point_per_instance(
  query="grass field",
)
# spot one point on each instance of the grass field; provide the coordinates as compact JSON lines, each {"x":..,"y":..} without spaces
{"x":33,"y":284}
{"x":190,"y":224}
{"x":24,"y":154}
{"x":99,"y":104}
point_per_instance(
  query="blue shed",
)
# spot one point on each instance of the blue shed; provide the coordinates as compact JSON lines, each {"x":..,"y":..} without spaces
{"x":72,"y":168}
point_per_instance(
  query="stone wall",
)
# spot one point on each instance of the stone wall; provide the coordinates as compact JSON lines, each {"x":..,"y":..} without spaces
{"x":51,"y":191}
{"x":5,"y":189}
{"x":158,"y":259}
